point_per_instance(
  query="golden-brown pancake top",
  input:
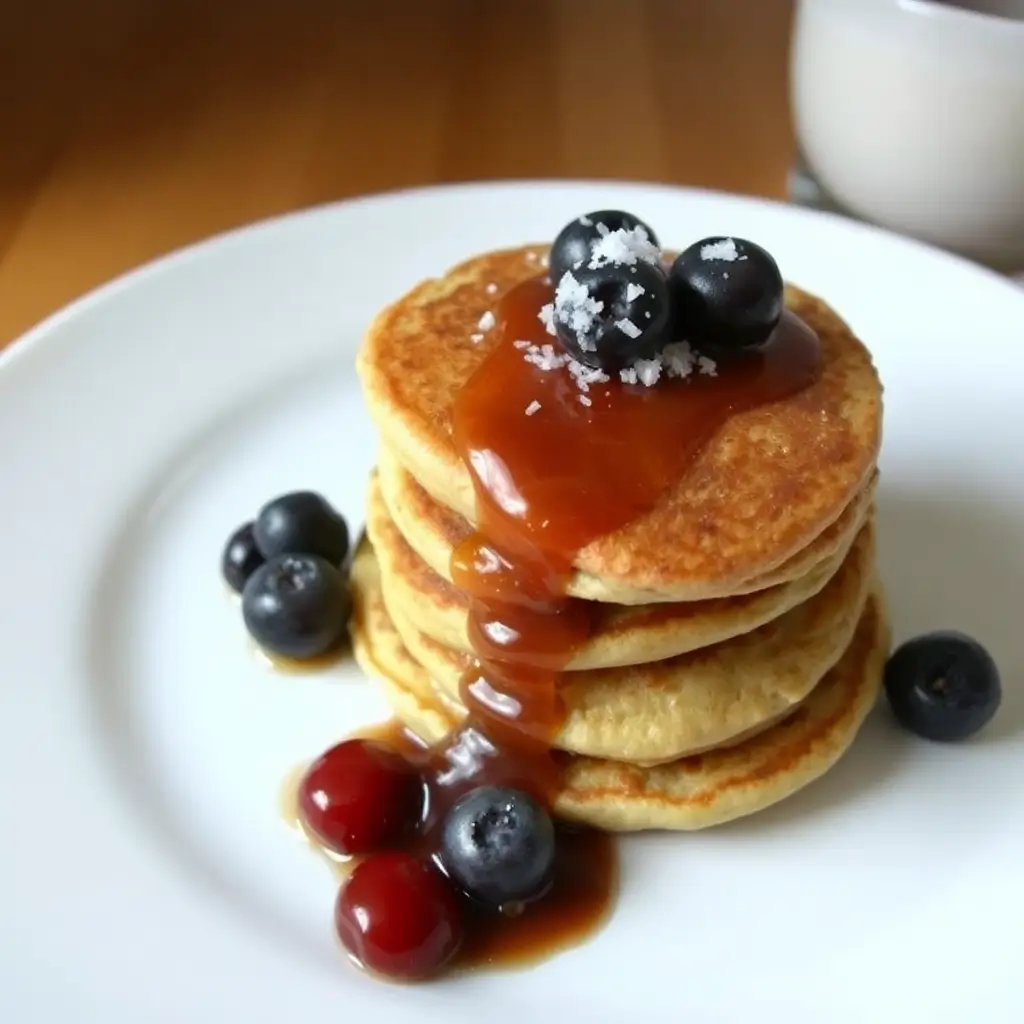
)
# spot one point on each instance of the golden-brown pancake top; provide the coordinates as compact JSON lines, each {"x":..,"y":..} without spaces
{"x":765,"y":485}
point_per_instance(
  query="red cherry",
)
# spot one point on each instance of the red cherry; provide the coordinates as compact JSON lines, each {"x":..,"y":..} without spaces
{"x":399,"y":917}
{"x":360,"y":796}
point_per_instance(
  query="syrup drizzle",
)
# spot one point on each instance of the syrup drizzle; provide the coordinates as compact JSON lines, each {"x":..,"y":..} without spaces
{"x":548,"y":484}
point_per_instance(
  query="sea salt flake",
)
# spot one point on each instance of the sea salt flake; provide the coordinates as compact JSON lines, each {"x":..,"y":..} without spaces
{"x":679,"y":359}
{"x":585,"y":400}
{"x":547,"y":357}
{"x":707,"y":366}
{"x":487,"y":321}
{"x":648,"y":371}
{"x":576,"y":309}
{"x":584,"y":375}
{"x":476,"y":338}
{"x":491,"y":289}
{"x":533,"y":407}
{"x":628,"y":375}
{"x":547,"y":317}
{"x":623,"y":247}
{"x":724,"y":249}
{"x":585,"y":221}
{"x":628,"y":328}
{"x":634,"y":291}
{"x":544,"y":357}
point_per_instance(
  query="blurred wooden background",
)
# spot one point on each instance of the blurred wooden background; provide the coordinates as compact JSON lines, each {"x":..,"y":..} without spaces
{"x":131,"y":127}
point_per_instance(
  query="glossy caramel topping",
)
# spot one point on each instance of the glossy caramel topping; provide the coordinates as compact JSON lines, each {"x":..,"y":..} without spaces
{"x":585,"y":881}
{"x":549,"y":483}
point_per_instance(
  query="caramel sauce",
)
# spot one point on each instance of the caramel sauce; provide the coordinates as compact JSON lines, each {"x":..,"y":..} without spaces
{"x":580,"y":900}
{"x":549,"y":484}
{"x":586,"y":866}
{"x":546,"y":486}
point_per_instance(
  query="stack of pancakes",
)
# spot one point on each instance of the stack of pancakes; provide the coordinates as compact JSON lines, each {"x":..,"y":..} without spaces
{"x":739,"y":633}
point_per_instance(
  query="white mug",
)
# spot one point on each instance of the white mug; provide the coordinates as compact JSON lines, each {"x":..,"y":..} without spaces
{"x":910,"y":114}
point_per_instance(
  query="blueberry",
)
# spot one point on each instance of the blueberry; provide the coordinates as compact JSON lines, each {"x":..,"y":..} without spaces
{"x":572,"y":249}
{"x":943,"y":686}
{"x":241,"y":558}
{"x":301,"y":523}
{"x":296,"y":606}
{"x":498,"y":846}
{"x":611,"y":315}
{"x":726,"y":294}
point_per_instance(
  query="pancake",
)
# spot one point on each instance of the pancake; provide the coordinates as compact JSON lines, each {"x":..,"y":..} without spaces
{"x":760,"y":490}
{"x":433,"y":531}
{"x":622,"y":634}
{"x":697,"y":701}
{"x":687,"y":794}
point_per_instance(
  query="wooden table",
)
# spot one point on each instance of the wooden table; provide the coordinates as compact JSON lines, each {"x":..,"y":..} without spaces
{"x":131,"y":127}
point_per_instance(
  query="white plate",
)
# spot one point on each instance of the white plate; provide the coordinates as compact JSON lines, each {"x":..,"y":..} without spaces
{"x":145,"y":873}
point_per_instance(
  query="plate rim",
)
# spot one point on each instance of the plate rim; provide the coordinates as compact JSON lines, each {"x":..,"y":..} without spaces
{"x":34,"y":338}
